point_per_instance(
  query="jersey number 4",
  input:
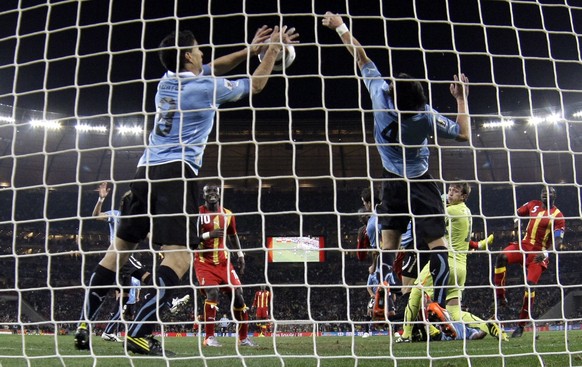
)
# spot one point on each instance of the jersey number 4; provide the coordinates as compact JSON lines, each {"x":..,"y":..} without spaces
{"x":390,"y":133}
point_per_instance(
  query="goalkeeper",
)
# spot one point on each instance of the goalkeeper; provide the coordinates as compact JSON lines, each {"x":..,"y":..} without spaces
{"x":421,"y":332}
{"x":403,"y":123}
{"x":164,"y":192}
{"x":458,"y":224}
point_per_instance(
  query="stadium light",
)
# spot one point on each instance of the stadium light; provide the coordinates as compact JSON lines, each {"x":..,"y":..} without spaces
{"x":46,"y":124}
{"x":85,"y":128}
{"x":129,"y":130}
{"x":577,"y":114}
{"x":498,"y":124}
{"x":535,"y":120}
{"x":7,"y":119}
{"x":553,"y":118}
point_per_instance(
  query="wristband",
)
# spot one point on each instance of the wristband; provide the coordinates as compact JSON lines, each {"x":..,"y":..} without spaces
{"x":101,"y":200}
{"x":240,"y":253}
{"x":206,"y":235}
{"x":342,"y":29}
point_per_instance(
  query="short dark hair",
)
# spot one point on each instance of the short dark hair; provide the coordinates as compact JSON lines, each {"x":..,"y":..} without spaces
{"x":409,"y":93}
{"x":550,"y":190}
{"x":370,"y":196}
{"x":212,"y":183}
{"x":366,"y":195}
{"x":169,"y":47}
{"x":464,"y":186}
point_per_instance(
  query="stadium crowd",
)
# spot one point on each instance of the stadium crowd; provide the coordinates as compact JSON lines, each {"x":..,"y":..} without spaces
{"x":44,"y":264}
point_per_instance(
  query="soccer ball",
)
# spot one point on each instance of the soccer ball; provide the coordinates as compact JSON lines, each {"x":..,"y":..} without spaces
{"x":288,"y":53}
{"x":396,"y":335}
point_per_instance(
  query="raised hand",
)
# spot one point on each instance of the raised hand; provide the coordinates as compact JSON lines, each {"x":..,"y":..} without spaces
{"x":103,"y":190}
{"x":289,"y":35}
{"x":459,"y":88}
{"x":262,"y":34}
{"x":331,"y":20}
{"x":275,"y":35}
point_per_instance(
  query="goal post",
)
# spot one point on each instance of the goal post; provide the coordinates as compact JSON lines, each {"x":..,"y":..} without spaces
{"x":77,"y":86}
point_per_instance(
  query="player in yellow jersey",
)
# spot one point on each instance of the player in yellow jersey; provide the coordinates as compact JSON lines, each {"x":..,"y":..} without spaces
{"x":458,"y":224}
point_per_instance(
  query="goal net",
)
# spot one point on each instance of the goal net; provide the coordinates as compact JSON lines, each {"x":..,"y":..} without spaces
{"x":77,"y":87}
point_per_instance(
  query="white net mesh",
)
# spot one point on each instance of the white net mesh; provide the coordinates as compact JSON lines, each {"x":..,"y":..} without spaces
{"x":77,"y":81}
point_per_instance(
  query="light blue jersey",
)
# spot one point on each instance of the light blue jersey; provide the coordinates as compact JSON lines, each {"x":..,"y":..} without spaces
{"x":463,"y":332}
{"x":373,"y":230}
{"x":411,"y":134}
{"x":135,"y":285}
{"x":186,"y":105}
{"x":374,"y":280}
{"x":407,"y":238}
{"x":113,"y":221}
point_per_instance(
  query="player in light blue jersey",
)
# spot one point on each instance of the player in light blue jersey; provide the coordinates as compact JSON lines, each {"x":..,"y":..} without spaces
{"x":133,"y":269}
{"x":134,"y":292}
{"x":378,"y":272}
{"x":164,"y":193}
{"x":403,"y":124}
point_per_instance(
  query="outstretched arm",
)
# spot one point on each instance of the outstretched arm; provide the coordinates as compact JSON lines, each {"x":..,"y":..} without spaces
{"x":103,"y":191}
{"x":335,"y":22}
{"x":374,"y":265}
{"x":260,"y":77}
{"x":224,"y":64}
{"x":460,"y":90}
{"x":484,"y":244}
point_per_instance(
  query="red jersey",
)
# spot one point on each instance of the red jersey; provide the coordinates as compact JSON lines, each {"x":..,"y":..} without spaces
{"x":262,"y":299}
{"x":542,"y":225}
{"x":363,"y":243}
{"x":209,"y":221}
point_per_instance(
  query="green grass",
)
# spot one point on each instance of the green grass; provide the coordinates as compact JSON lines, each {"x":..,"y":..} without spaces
{"x":553,"y":349}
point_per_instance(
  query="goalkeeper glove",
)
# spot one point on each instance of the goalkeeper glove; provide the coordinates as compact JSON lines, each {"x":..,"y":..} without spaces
{"x":485,"y":243}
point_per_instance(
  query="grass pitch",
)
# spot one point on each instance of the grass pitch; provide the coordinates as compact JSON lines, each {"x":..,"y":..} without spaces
{"x":553,"y":349}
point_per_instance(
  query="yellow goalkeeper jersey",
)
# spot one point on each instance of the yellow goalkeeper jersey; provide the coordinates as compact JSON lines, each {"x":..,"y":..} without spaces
{"x":458,"y":224}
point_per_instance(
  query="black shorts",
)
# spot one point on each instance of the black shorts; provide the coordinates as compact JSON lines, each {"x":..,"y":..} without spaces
{"x":413,"y":258}
{"x":129,"y":269}
{"x":164,"y":202}
{"x":129,"y":311}
{"x":414,"y":261}
{"x":131,"y":266}
{"x":426,"y":207}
